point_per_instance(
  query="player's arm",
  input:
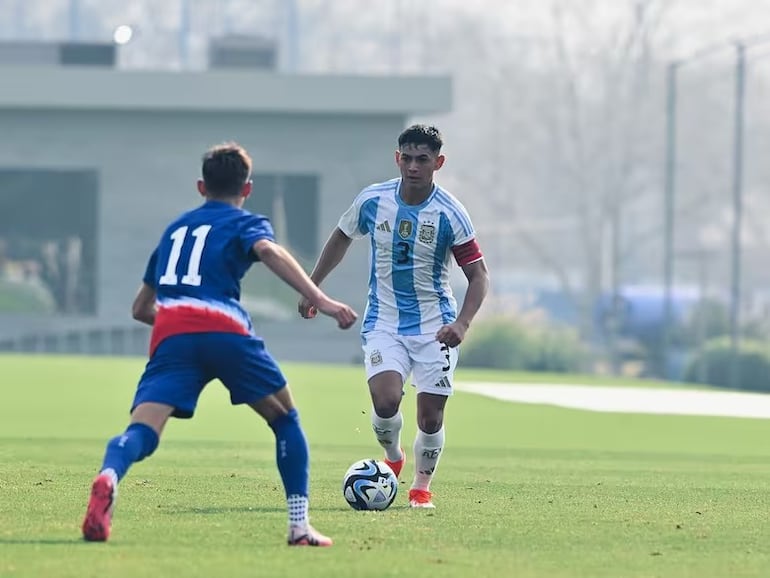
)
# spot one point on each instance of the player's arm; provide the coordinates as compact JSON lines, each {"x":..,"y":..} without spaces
{"x":286,"y":267}
{"x":469,"y":257}
{"x":348,"y":228}
{"x":143,"y":308}
{"x":331,"y":255}
{"x":478,"y":285}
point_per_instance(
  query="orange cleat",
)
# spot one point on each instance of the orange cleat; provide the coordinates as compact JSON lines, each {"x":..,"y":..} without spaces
{"x":420,"y":499}
{"x":307,"y":536}
{"x":398,"y":465}
{"x":98,"y":520}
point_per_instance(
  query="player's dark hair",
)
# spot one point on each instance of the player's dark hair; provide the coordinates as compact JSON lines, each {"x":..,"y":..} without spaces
{"x":226,"y":168}
{"x":421,"y":134}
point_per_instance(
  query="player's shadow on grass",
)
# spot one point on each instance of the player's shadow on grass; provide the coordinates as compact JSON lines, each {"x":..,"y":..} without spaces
{"x":245,"y":510}
{"x":42,"y":541}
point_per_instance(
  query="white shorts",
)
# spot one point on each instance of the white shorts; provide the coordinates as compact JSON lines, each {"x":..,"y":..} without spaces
{"x":431,"y":364}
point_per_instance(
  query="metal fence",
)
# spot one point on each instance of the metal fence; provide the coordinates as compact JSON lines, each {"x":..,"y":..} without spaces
{"x":106,"y":341}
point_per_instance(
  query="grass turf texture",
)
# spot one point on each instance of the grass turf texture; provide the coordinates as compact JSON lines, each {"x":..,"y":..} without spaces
{"x":522,"y":490}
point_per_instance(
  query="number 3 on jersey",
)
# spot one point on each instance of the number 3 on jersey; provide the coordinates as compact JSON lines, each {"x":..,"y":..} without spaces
{"x":192,"y":277}
{"x":403,"y":254}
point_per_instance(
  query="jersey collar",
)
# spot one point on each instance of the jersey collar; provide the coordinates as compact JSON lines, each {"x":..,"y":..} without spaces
{"x":422,"y":205}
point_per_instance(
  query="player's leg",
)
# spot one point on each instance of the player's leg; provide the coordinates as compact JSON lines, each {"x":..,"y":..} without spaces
{"x":138,"y":441}
{"x":254,"y":378}
{"x":434,"y":366}
{"x":386,"y":390}
{"x":428,"y":446}
{"x":387,"y":365}
{"x":293,"y":460}
{"x":170,"y":385}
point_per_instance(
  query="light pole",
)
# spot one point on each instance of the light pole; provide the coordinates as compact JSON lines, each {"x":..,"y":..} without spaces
{"x":740,"y":48}
{"x":668,"y":208}
{"x":669,"y":189}
{"x":737,"y":197}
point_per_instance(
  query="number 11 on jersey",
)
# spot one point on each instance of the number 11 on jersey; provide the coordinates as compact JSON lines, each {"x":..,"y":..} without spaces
{"x":192,"y":277}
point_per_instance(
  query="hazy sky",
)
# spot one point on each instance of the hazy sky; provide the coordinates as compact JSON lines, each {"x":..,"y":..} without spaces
{"x":687,"y":24}
{"x":474,"y":42}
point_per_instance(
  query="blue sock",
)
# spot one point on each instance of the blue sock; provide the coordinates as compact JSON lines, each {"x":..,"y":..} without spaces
{"x":292,"y":454}
{"x":138,"y":442}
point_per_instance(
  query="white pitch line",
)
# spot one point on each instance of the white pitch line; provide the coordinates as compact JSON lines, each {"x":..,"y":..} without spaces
{"x":629,"y":399}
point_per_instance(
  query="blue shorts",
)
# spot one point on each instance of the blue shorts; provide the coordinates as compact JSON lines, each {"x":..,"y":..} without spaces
{"x":182,"y":365}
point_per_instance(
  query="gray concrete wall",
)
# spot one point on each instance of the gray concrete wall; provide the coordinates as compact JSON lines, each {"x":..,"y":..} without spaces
{"x":148,"y":164}
{"x":92,"y":89}
{"x":144,"y":133}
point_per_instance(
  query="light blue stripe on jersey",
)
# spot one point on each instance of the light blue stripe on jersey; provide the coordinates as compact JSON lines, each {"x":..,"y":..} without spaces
{"x":409,"y":318}
{"x":446,"y":201}
{"x":444,"y":240}
{"x":366,"y":218}
{"x":373,"y":305}
{"x":367,"y":215}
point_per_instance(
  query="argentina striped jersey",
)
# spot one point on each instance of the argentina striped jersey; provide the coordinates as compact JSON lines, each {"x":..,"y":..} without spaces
{"x":410,"y":260}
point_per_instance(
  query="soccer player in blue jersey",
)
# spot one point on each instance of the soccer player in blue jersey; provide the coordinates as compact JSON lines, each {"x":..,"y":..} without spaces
{"x":411,"y":324}
{"x":200,"y":332}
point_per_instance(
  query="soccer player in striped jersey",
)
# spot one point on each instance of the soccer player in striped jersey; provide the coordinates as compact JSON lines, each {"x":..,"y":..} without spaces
{"x":200,"y":332}
{"x":411,"y":325}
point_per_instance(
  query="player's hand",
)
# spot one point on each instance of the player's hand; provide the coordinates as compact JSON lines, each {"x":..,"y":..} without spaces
{"x":344,"y":314}
{"x":306,"y":309}
{"x":452,"y":334}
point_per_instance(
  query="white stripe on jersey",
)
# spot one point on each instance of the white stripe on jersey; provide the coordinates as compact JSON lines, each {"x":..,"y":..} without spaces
{"x":409,"y":290}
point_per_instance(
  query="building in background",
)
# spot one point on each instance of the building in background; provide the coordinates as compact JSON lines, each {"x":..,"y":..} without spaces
{"x":95,"y":161}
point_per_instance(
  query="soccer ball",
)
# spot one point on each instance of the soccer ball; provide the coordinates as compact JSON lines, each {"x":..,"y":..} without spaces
{"x":369,"y":485}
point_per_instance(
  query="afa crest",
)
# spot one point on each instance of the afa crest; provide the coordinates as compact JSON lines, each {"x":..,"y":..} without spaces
{"x":427,"y":233}
{"x":376,"y":357}
{"x":405,"y":228}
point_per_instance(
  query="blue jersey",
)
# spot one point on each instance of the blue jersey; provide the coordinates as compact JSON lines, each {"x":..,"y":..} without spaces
{"x":197,"y":267}
{"x":411,"y":251}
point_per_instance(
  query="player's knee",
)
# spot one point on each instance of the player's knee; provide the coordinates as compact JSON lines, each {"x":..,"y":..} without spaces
{"x":386,"y":405}
{"x":147,"y":439}
{"x":430,"y":423}
{"x":293,"y":415}
{"x":289,"y":419}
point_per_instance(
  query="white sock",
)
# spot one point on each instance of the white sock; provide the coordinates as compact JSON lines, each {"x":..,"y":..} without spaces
{"x":297,"y":506}
{"x":388,"y":432}
{"x":111,"y":473}
{"x":427,"y":452}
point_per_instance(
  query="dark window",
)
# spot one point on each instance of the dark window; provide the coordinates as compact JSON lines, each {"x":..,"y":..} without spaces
{"x":48,"y":241}
{"x":291,"y":203}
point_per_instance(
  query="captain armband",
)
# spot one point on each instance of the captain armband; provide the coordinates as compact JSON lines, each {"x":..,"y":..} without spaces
{"x":467,"y":253}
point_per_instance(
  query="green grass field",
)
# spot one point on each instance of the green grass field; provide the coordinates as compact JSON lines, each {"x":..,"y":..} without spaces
{"x":522,"y":490}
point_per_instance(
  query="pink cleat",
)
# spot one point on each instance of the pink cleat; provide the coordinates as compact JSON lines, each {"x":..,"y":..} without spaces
{"x":398,"y":465}
{"x":420,"y":499}
{"x":98,"y":520}
{"x":307,"y":536}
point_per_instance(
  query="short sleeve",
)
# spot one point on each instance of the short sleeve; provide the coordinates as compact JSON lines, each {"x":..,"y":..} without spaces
{"x":253,"y":229}
{"x":358,"y":220}
{"x":462,"y":227}
{"x":150,"y":272}
{"x":465,"y":248}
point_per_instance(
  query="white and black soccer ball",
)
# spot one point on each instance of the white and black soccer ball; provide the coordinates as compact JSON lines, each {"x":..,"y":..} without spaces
{"x":369,"y":485}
